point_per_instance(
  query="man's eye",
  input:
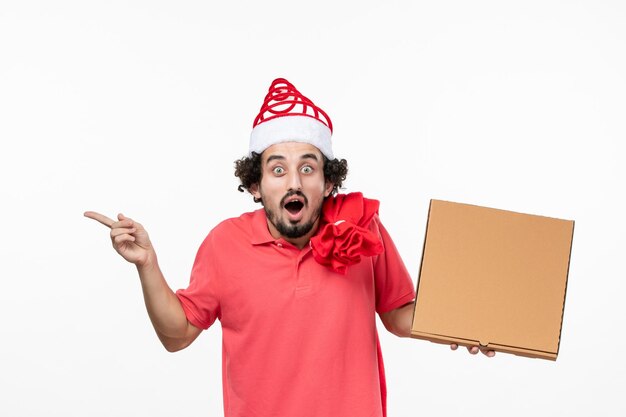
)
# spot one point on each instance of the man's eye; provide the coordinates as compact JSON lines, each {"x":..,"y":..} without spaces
{"x":278,"y":170}
{"x":307,"y":170}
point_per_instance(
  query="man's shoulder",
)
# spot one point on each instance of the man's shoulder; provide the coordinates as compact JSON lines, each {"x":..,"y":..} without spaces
{"x":231,"y":235}
{"x":240,"y":226}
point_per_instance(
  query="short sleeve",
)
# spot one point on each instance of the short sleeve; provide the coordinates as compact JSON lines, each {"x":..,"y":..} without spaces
{"x":394,"y":287}
{"x":200,"y":300}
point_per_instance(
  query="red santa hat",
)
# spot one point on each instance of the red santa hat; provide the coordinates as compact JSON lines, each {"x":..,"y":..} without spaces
{"x":288,"y":116}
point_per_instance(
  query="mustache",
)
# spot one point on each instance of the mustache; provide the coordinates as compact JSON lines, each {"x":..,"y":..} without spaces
{"x":291,"y":194}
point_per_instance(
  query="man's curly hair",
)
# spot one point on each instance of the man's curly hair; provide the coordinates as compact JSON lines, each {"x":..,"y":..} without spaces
{"x":248,"y":170}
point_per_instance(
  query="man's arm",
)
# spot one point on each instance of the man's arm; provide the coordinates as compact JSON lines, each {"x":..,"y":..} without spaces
{"x":131,"y":241}
{"x":164,"y":309}
{"x":399,"y":320}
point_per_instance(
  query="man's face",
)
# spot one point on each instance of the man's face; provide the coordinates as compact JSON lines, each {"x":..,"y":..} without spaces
{"x":293,"y":189}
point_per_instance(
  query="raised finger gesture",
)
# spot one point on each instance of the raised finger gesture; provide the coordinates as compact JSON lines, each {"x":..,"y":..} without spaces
{"x":128,"y":237}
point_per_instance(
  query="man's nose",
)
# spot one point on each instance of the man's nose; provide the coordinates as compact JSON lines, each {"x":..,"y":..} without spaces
{"x":294,"y":182}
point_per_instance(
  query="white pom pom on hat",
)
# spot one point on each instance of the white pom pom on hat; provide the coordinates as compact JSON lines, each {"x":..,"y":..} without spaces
{"x":288,"y":116}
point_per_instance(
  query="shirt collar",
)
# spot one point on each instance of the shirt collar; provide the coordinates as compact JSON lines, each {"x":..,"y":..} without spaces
{"x":260,"y":232}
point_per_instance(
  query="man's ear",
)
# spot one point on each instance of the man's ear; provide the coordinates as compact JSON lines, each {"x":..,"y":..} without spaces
{"x":328,"y":188}
{"x":254,"y":190}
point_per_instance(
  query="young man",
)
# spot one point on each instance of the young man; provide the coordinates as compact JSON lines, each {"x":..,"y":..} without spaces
{"x":295,"y":285}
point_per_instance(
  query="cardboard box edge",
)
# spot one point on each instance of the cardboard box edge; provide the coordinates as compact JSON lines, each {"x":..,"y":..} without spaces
{"x":419,"y":274}
{"x":569,"y":263}
{"x":441,"y":339}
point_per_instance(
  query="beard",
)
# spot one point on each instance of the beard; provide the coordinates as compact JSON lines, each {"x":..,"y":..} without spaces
{"x":288,"y":229}
{"x":292,"y":231}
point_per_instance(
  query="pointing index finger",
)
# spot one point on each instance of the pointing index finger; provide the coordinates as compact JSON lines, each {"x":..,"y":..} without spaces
{"x":100,"y":218}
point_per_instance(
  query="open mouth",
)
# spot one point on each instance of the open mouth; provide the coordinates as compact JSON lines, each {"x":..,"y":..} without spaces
{"x":294,"y":207}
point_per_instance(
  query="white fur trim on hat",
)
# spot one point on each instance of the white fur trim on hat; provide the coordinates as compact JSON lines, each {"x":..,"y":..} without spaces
{"x":291,"y":128}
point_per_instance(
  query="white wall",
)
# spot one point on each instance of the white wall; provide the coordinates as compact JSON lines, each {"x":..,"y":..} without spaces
{"x":142,"y":107}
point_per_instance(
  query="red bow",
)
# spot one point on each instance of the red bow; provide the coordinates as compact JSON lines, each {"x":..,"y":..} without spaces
{"x":344,"y":235}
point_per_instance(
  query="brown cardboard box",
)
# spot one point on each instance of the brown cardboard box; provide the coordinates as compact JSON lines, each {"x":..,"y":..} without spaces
{"x":493,"y":278}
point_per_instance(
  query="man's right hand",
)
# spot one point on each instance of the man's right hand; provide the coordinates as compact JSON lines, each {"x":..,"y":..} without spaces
{"x":131,"y":240}
{"x":128,"y":237}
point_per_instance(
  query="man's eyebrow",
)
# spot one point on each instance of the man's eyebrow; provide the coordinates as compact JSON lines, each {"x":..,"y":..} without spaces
{"x":281,"y":157}
{"x":273,"y":157}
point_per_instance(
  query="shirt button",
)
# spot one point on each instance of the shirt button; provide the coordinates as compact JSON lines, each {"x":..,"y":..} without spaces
{"x":280,"y":245}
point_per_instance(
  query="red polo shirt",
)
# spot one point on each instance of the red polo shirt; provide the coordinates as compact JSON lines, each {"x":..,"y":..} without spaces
{"x":298,"y":339}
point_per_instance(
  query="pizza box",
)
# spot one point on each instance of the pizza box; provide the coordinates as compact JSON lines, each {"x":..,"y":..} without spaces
{"x":493,"y":278}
